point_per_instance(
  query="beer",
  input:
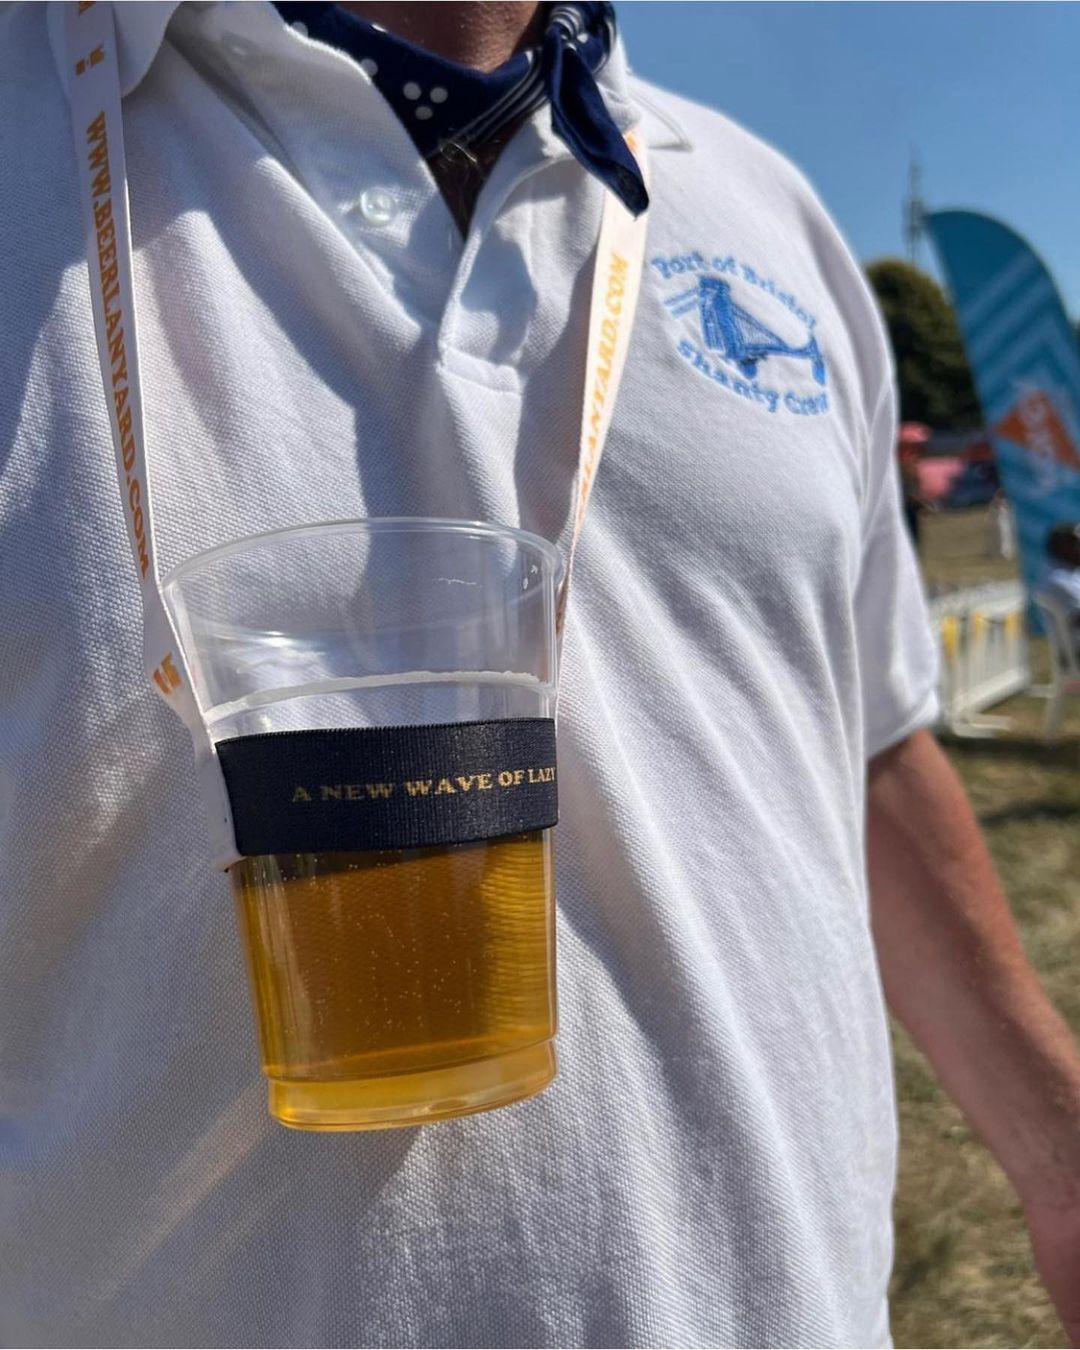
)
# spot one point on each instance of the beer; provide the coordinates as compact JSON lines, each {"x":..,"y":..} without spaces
{"x":401,"y":986}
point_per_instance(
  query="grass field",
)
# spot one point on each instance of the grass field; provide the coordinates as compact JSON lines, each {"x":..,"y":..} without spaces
{"x":963,"y":1274}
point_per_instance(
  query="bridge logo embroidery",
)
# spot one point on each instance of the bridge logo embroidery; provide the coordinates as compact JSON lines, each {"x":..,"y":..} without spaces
{"x":742,"y":340}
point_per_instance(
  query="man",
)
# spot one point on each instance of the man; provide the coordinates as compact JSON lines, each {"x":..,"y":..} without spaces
{"x":913,"y":438}
{"x":341,"y":318}
{"x":1062,"y":578}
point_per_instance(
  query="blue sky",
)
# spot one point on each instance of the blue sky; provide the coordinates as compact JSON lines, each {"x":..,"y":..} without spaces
{"x":988,"y":93}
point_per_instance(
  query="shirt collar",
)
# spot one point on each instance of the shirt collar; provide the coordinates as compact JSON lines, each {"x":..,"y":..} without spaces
{"x":140,"y":31}
{"x":141,"y":25}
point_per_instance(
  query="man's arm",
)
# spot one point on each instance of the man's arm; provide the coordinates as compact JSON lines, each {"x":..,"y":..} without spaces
{"x":956,"y":976}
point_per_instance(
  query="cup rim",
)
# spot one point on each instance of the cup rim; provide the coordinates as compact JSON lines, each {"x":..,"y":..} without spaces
{"x":372,"y":525}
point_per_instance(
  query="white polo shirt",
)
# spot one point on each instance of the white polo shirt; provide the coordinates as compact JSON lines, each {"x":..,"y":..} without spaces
{"x":714,"y":1164}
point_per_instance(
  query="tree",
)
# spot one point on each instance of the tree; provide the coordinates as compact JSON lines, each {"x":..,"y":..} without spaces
{"x":934,"y":377}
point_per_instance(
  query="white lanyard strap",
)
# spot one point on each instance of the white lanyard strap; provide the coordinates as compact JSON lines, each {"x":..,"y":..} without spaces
{"x":620,"y":255}
{"x":94,"y":91}
{"x":93,"y":82}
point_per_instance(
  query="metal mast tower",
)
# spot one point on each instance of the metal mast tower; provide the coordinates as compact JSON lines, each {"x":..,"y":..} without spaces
{"x":913,"y":210}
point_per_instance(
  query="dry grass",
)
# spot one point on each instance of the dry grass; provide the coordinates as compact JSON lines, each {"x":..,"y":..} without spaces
{"x":963,"y":1274}
{"x":956,"y":550}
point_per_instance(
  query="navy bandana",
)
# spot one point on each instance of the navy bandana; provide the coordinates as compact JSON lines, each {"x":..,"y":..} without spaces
{"x":444,"y":104}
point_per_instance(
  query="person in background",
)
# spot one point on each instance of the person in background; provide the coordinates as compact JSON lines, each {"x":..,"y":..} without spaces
{"x":1062,"y":578}
{"x":363,"y":239}
{"x":913,"y":436}
{"x":1000,"y":528}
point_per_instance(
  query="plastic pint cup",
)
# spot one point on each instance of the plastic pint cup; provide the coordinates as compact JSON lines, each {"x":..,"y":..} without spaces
{"x":381,"y":697}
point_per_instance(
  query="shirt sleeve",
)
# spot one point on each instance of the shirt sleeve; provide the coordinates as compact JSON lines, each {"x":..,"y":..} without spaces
{"x":898,"y":650}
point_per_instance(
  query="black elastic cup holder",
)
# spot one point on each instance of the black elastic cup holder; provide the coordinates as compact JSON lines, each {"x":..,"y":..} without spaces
{"x":390,"y":787}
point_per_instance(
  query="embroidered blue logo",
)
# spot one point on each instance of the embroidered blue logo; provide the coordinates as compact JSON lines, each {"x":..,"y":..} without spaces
{"x":757,"y":358}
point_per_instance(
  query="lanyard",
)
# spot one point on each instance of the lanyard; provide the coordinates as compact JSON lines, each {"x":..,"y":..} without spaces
{"x":93,"y":83}
{"x":620,"y":253}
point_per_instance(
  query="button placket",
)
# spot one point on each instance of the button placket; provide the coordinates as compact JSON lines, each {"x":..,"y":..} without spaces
{"x":520,"y":163}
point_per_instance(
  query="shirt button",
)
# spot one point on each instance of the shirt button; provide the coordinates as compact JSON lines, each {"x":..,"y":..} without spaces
{"x":376,"y":206}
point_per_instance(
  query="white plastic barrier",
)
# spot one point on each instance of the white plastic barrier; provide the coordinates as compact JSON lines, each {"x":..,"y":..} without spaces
{"x":984,"y":653}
